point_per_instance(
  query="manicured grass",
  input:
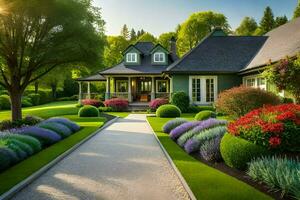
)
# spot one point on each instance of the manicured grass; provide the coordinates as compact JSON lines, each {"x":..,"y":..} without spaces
{"x":205,"y":182}
{"x":47,"y":110}
{"x":119,"y":114}
{"x":22,"y":170}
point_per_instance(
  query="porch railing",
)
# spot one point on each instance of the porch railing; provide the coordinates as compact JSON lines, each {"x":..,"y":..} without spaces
{"x":122,"y":95}
{"x":91,"y":96}
{"x":164,"y":95}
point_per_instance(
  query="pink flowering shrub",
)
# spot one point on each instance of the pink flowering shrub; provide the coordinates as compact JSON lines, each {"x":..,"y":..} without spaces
{"x":117,"y":104}
{"x":155,"y":103}
{"x":92,"y":102}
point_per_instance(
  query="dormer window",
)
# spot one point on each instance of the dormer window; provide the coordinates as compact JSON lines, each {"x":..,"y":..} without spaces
{"x":159,"y":57}
{"x":131,"y":57}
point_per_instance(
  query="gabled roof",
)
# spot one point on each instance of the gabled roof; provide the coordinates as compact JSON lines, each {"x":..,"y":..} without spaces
{"x":144,"y":47}
{"x":219,"y":54}
{"x":94,"y":77}
{"x":282,"y":41}
{"x":159,"y":46}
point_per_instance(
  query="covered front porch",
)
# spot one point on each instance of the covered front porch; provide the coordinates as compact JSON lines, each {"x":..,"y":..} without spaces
{"x":138,"y":88}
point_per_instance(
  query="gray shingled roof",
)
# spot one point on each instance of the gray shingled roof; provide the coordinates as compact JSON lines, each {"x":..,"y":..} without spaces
{"x":282,"y":41}
{"x":95,"y":77}
{"x":145,"y":67}
{"x":220,"y":54}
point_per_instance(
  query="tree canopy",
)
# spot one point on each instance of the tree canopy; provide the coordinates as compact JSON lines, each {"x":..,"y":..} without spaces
{"x":125,"y":32}
{"x":164,"y":39}
{"x":147,"y":37}
{"x":37,"y":36}
{"x":113,"y":50}
{"x":267,"y":22}
{"x":297,"y":11}
{"x":196,"y":27}
{"x":281,"y":20}
{"x":247,"y":27}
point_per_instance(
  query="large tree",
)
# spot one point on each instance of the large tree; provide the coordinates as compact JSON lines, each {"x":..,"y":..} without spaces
{"x":267,"y":22}
{"x":125,"y":32}
{"x":196,"y":27}
{"x":132,"y":35}
{"x":37,"y":36}
{"x":247,"y":27}
{"x":113,"y":50}
{"x":281,"y":20}
{"x":164,"y":39}
{"x":147,"y":37}
{"x":297,"y":11}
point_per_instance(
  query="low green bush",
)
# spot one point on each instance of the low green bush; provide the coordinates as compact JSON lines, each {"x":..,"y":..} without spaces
{"x":206,"y":114}
{"x":88,"y":111}
{"x":278,"y":174}
{"x":237,"y":152}
{"x":45,"y":95}
{"x":168,"y":110}
{"x":7,"y":157}
{"x":4,"y":102}
{"x":25,"y":147}
{"x":31,"y":141}
{"x":26,"y":102}
{"x":35,"y":98}
{"x":79,"y":105}
{"x":181,"y":100}
{"x":106,"y":109}
{"x":196,"y":109}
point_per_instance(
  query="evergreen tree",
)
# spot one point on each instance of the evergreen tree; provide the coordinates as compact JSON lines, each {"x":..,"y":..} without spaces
{"x":297,"y":11}
{"x":267,"y":22}
{"x":138,"y":34}
{"x":133,"y":35}
{"x":247,"y":27}
{"x":281,"y":20}
{"x":142,"y":32}
{"x":125,"y":32}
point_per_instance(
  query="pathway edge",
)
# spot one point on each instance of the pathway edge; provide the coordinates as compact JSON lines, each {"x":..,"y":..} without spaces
{"x":177,"y":172}
{"x":10,"y":193}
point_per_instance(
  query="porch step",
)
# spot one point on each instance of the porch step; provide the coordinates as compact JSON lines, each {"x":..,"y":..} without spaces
{"x":138,"y":106}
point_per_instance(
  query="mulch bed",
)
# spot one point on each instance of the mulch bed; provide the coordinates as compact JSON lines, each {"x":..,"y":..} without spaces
{"x":241,"y":175}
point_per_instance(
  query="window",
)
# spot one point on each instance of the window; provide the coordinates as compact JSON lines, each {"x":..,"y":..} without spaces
{"x":256,"y":81}
{"x":121,"y":85}
{"x":203,"y":89}
{"x":159,"y":57}
{"x":250,"y":82}
{"x":161,"y":86}
{"x":131,"y":57}
{"x":261,"y":83}
{"x":145,"y":86}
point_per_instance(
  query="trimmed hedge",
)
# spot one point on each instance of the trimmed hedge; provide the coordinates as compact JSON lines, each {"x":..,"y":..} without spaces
{"x":4,"y":102}
{"x":237,"y":152}
{"x":106,"y":109}
{"x":168,"y":110}
{"x":206,"y":114}
{"x":88,"y":111}
{"x":181,"y":100}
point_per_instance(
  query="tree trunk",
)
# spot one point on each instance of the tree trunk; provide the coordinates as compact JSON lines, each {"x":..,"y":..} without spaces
{"x":54,"y":88}
{"x":36,"y":87}
{"x":16,"y":105}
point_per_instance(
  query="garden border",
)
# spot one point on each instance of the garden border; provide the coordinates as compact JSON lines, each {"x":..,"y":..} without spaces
{"x":10,"y":193}
{"x":182,"y":180}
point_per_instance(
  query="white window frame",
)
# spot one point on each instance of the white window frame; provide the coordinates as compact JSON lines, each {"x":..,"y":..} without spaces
{"x":167,"y":85}
{"x":131,"y":57}
{"x":203,"y":88}
{"x":121,"y":81}
{"x":159,"y":56}
{"x":256,"y":78}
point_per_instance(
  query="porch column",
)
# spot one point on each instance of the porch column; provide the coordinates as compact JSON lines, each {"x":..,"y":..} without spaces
{"x":80,"y":93}
{"x":171,"y":88}
{"x":152,"y":88}
{"x":89,"y":90}
{"x":107,"y":94}
{"x":129,"y":89}
{"x":113,"y":92}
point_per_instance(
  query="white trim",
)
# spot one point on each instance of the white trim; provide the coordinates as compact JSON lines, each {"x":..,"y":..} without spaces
{"x":167,"y":85}
{"x":131,"y":57}
{"x":159,"y":54}
{"x":203,"y":88}
{"x":256,"y":77}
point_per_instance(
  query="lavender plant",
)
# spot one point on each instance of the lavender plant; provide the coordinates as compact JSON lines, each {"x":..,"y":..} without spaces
{"x":179,"y":130}
{"x":195,"y":142}
{"x":210,"y":150}
{"x":209,"y":123}
{"x":278,"y":173}
{"x":59,"y":128}
{"x":7,"y":157}
{"x":31,"y":141}
{"x":170,"y":125}
{"x":71,"y":125}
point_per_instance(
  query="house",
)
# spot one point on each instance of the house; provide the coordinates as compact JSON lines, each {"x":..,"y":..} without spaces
{"x":217,"y":63}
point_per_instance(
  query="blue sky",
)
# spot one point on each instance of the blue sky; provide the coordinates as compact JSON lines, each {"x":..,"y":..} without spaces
{"x":159,"y":16}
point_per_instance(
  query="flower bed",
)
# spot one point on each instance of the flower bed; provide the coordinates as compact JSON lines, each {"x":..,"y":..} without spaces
{"x":117,"y":104}
{"x":154,"y":104}
{"x":92,"y":102}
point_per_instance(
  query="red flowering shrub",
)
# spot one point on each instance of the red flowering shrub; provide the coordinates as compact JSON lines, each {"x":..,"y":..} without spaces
{"x":117,"y":104}
{"x":155,"y":103}
{"x":271,"y":126}
{"x":92,"y":102}
{"x":238,"y":101}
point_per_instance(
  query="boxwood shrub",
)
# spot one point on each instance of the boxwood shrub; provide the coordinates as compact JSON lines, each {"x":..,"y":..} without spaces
{"x":7,"y":157}
{"x":168,"y":110}
{"x":237,"y":152}
{"x":203,"y":115}
{"x":181,"y":100}
{"x":88,"y":111}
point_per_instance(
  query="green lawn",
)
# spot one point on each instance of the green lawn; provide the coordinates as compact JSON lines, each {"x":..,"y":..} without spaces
{"x":205,"y":182}
{"x":119,"y":114}
{"x":47,"y":110}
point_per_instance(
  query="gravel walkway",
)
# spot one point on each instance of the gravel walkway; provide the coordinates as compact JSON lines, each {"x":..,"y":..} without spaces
{"x":124,"y":161}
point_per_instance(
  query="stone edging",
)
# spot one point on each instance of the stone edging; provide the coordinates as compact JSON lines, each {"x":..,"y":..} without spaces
{"x":10,"y":193}
{"x":182,"y":180}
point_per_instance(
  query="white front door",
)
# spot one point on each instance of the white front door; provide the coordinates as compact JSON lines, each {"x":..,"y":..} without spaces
{"x":203,"y":89}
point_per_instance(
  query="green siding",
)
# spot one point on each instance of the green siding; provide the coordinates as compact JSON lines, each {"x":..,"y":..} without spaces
{"x":181,"y":83}
{"x":133,"y":50}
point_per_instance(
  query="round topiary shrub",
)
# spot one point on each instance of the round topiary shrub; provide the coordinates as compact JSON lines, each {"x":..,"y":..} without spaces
{"x":4,"y":102}
{"x":181,"y":100}
{"x":206,"y":114}
{"x":71,"y":125}
{"x":88,"y":111}
{"x":60,"y":129}
{"x":237,"y":152}
{"x":168,"y":110}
